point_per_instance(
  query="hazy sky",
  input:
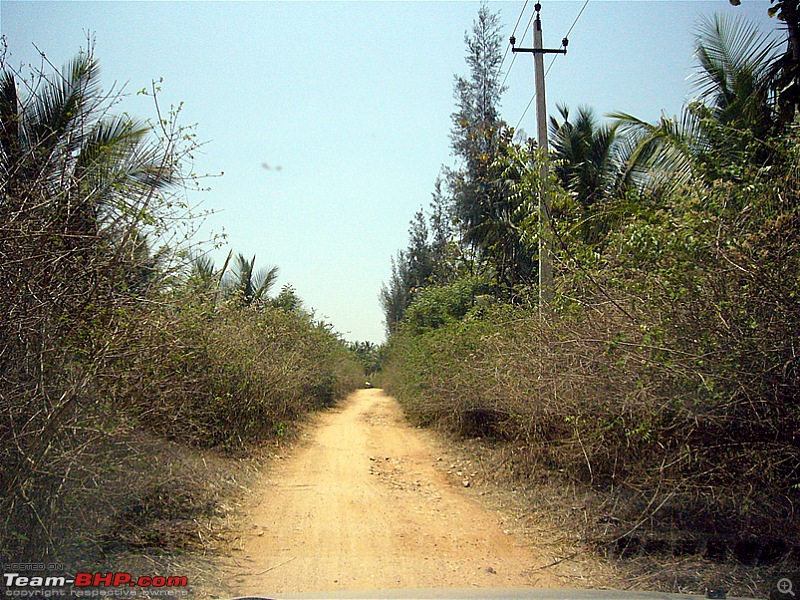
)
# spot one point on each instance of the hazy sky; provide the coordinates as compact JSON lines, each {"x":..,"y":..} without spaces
{"x":352,"y":100}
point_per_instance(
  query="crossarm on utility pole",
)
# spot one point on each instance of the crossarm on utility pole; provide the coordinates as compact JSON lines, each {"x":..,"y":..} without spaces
{"x":545,"y":227}
{"x":540,"y":50}
{"x":545,"y":233}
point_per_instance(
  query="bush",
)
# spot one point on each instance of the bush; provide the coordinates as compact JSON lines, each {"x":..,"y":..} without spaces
{"x":226,"y":377}
{"x":437,"y":305}
{"x":669,"y":372}
{"x":598,"y":402}
{"x":115,"y":368}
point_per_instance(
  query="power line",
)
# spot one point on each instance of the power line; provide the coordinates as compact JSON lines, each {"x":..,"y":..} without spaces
{"x":524,"y":33}
{"x":550,"y":66}
{"x":522,"y":12}
{"x":524,"y":112}
{"x":576,"y":18}
{"x":528,"y":26}
{"x":513,"y":33}
{"x":509,"y":68}
{"x":534,"y":95}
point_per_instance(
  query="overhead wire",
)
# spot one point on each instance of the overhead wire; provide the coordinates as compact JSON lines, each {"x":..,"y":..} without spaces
{"x":583,"y":8}
{"x":550,"y":66}
{"x":513,"y":33}
{"x":522,"y":12}
{"x":524,"y":33}
{"x":534,"y":94}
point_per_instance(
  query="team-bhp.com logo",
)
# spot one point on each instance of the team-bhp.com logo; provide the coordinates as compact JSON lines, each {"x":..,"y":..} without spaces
{"x":85,"y":584}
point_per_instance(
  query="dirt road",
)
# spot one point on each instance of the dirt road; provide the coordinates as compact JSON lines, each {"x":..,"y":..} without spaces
{"x":363,"y":506}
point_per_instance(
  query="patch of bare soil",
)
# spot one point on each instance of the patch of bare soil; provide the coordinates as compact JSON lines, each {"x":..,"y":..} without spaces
{"x":368,"y":502}
{"x":548,"y":520}
{"x":570,"y":525}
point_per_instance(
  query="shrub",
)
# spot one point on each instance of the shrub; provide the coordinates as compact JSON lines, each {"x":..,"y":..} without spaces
{"x":669,"y":370}
{"x":109,"y":356}
{"x":438,"y":305}
{"x":598,"y":401}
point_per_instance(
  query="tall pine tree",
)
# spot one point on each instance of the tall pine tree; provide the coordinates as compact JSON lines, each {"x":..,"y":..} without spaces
{"x":476,"y":131}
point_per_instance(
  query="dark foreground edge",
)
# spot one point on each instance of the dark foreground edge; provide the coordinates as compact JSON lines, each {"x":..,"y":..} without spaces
{"x":485,"y":593}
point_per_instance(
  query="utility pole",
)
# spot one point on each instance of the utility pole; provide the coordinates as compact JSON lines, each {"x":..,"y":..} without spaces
{"x":545,"y":228}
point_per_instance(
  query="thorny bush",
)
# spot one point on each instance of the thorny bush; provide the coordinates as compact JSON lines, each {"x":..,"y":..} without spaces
{"x":669,"y":373}
{"x":107,"y":349}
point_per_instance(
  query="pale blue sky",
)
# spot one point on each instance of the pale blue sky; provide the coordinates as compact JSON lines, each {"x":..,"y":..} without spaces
{"x":353,"y":101}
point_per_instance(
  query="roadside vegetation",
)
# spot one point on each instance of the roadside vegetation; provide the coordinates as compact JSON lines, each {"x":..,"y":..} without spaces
{"x":662,"y":385}
{"x":133,"y":372}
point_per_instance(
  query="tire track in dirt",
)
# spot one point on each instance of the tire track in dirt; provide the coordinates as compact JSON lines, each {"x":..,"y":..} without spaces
{"x":362,"y":506}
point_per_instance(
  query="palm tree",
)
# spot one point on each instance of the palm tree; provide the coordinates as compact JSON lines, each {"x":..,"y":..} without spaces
{"x":735,"y":80}
{"x":202,"y":270}
{"x":203,"y":276}
{"x":788,"y":66}
{"x":247,"y":285}
{"x":62,"y":153}
{"x":77,"y":186}
{"x":589,"y":157}
{"x":736,"y":75}
{"x":663,"y":155}
{"x":590,"y":161}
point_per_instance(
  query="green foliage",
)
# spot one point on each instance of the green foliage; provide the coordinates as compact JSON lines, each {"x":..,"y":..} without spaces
{"x":589,"y":158}
{"x":476,"y":120}
{"x":787,"y":82}
{"x":368,"y":355}
{"x":288,"y":300}
{"x":476,"y":139}
{"x":737,"y":104}
{"x":246,"y":285}
{"x":436,"y":306}
{"x":432,"y":258}
{"x":669,"y":364}
{"x":115,"y":355}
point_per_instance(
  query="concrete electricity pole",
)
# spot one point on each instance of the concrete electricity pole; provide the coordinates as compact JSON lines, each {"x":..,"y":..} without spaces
{"x":545,"y":228}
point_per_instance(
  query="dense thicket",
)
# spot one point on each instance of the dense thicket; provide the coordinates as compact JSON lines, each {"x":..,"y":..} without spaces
{"x":112,"y":351}
{"x":667,"y":372}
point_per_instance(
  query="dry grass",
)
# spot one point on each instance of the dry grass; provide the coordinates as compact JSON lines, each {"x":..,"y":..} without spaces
{"x":571,"y":525}
{"x":612,"y":439}
{"x":175,"y":517}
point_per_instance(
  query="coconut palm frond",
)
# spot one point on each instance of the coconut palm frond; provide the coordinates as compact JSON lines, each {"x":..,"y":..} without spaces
{"x":54,"y":123}
{"x":249,"y":285}
{"x":586,"y":154}
{"x":263,"y":281}
{"x":9,"y":125}
{"x":735,"y":80}
{"x":202,"y":268}
{"x":225,"y":265}
{"x":662,"y":154}
{"x":97,"y":170}
{"x":734,"y":59}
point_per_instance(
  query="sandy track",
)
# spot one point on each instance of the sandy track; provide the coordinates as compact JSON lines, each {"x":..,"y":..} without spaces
{"x":363,"y":506}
